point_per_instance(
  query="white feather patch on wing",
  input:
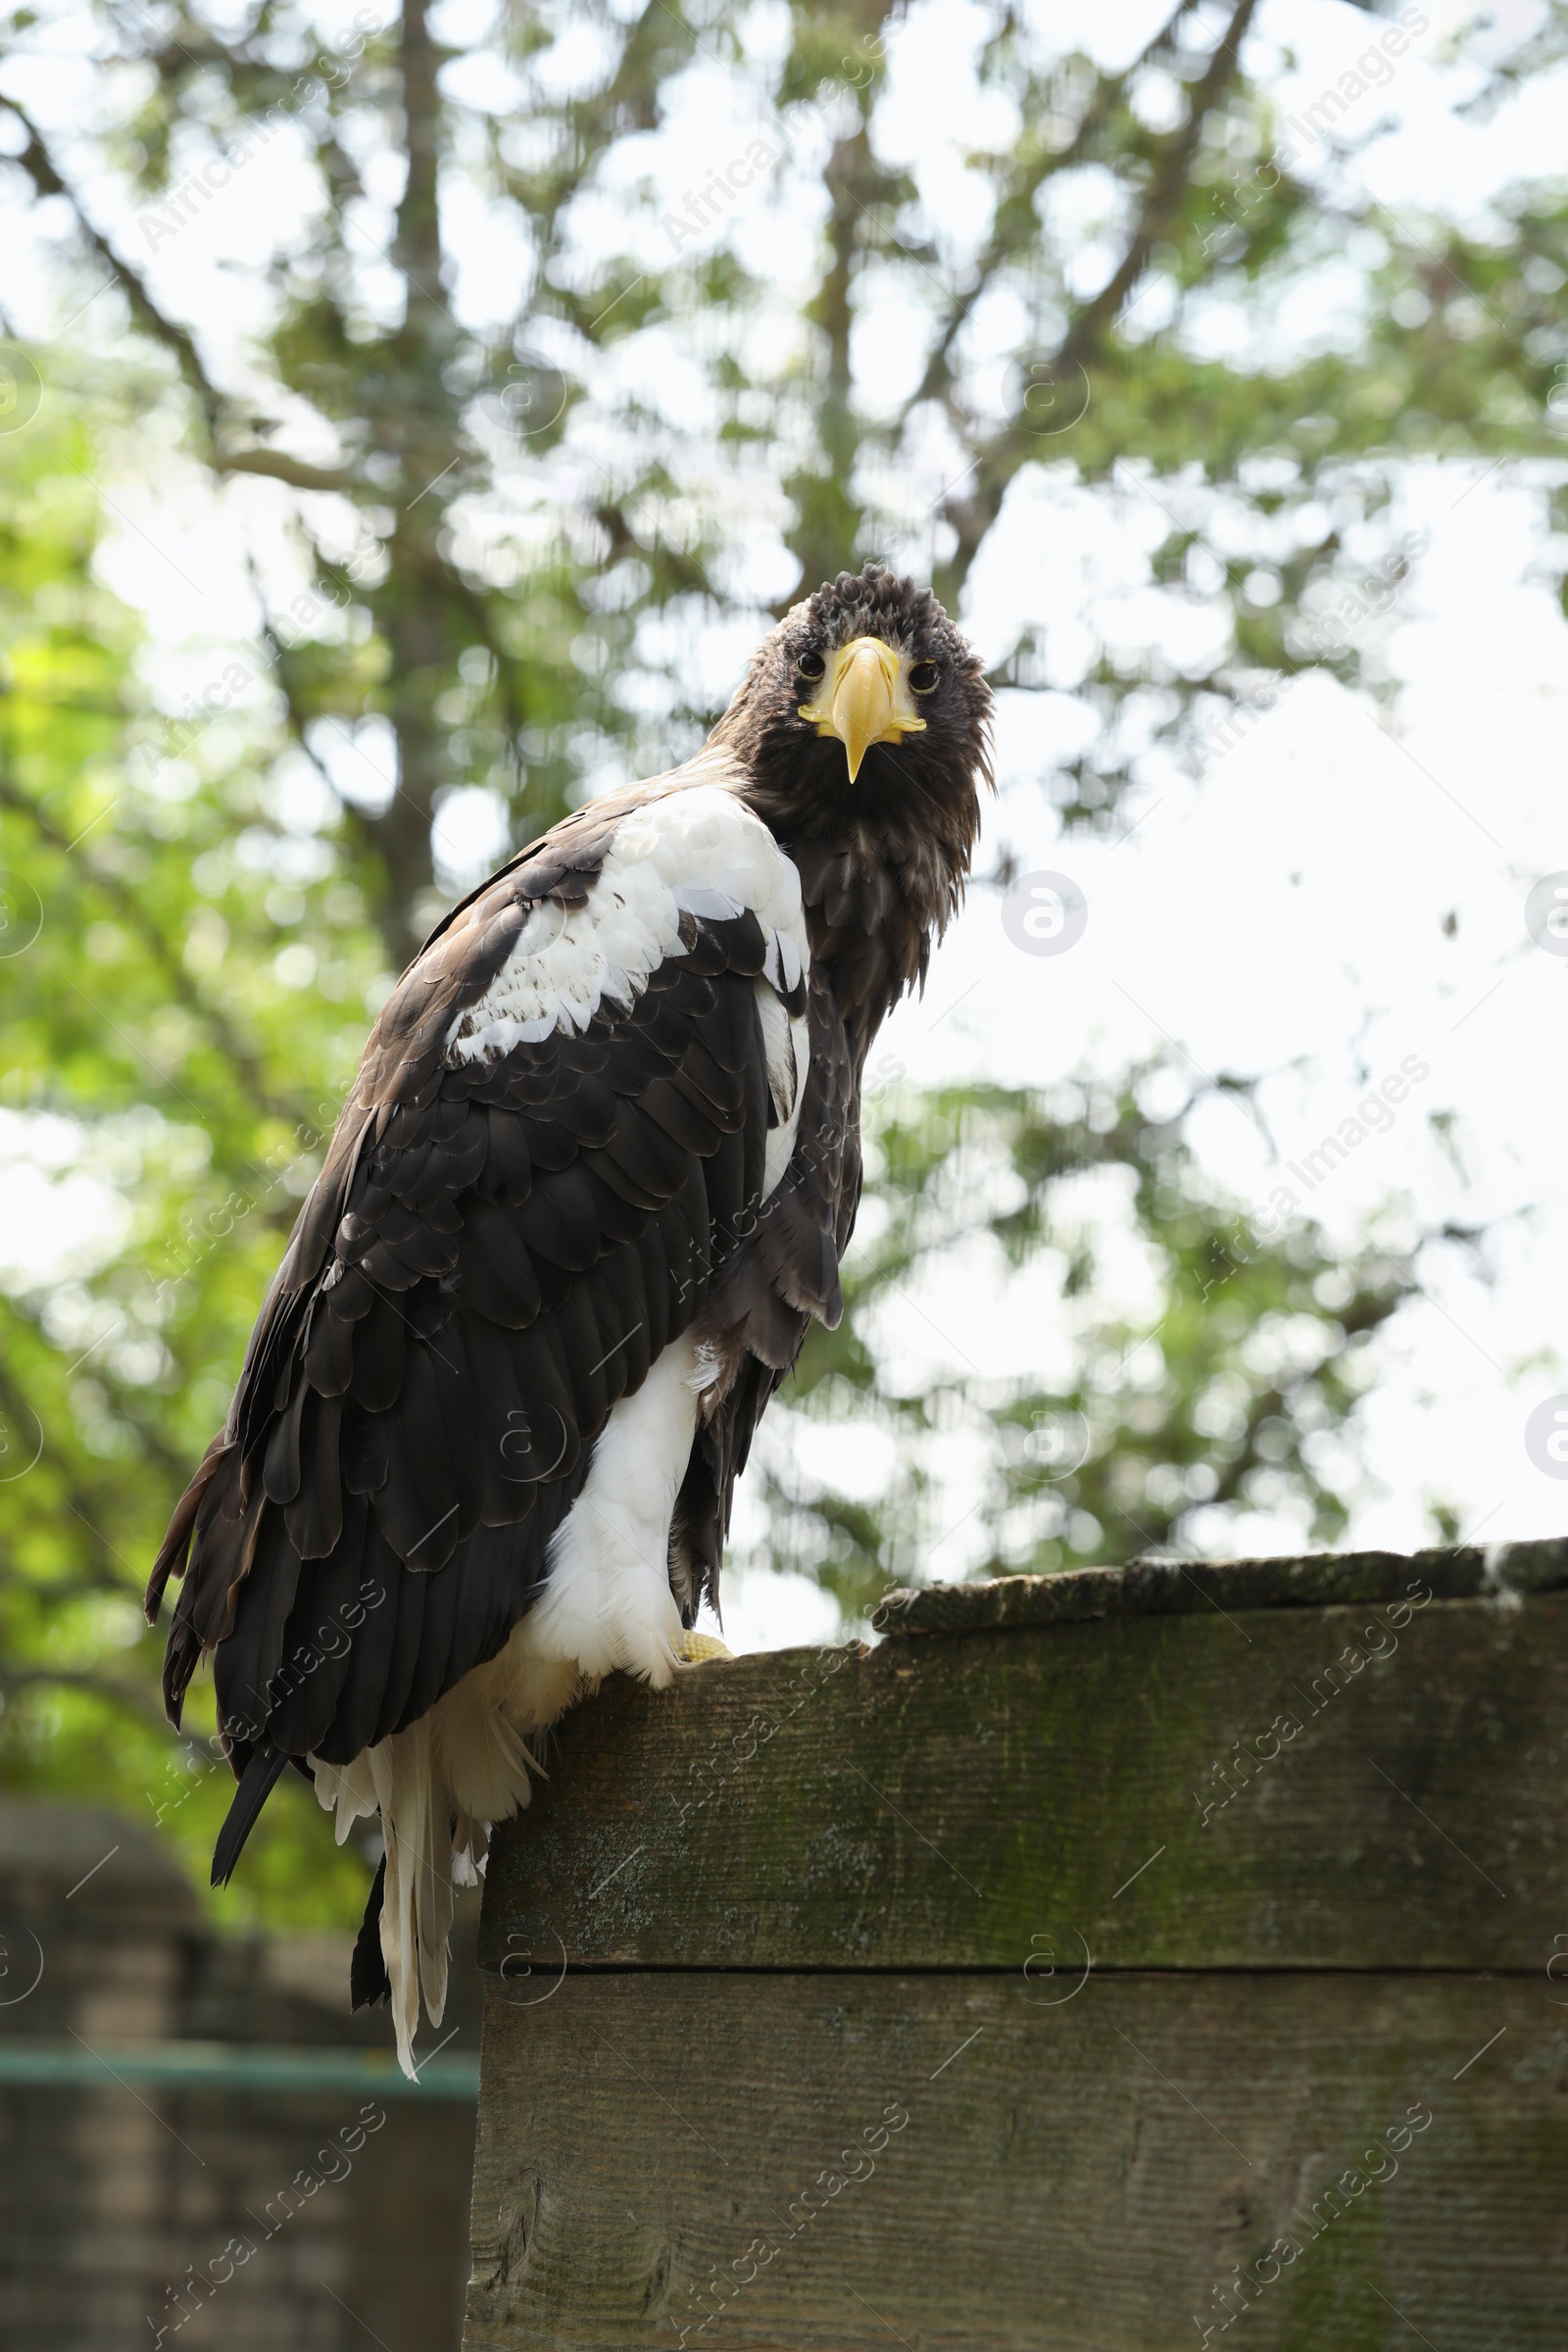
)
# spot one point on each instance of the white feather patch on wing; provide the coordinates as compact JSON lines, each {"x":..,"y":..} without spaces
{"x":783,"y":1074}
{"x":699,"y":852}
{"x":786,"y":1044}
{"x":781,"y":1142}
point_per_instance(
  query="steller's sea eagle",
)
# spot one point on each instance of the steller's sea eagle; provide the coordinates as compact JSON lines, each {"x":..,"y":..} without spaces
{"x":593,"y":1180}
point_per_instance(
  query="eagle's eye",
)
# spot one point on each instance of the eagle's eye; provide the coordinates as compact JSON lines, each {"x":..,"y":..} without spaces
{"x":925,"y":678}
{"x":810,"y":665}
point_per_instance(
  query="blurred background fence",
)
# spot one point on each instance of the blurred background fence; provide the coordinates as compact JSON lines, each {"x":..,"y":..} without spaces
{"x":196,"y":2142}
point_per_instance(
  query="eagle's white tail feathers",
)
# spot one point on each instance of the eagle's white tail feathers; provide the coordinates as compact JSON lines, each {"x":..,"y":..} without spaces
{"x":402,"y":1768}
{"x":350,"y":1788}
{"x":439,"y":1787}
{"x":480,"y":1751}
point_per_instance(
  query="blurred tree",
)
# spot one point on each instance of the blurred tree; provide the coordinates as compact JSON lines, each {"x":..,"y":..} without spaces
{"x":1234,"y":1395}
{"x":545,"y":484}
{"x":172,"y":1053}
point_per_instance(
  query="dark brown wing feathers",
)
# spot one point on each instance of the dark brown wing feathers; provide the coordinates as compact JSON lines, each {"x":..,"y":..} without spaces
{"x":491,"y":1258}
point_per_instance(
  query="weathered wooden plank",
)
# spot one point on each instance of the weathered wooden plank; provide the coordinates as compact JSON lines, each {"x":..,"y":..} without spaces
{"x":1380,"y":1785}
{"x":1056,"y":2178}
{"x":1186,"y":1588}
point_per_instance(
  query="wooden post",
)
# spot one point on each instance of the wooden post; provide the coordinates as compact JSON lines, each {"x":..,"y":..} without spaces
{"x":1100,"y":1962}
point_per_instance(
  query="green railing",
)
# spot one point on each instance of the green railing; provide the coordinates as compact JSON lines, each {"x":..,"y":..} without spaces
{"x":233,"y":2066}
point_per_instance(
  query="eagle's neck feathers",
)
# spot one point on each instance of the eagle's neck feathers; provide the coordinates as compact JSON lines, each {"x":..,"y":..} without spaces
{"x":879,"y":897}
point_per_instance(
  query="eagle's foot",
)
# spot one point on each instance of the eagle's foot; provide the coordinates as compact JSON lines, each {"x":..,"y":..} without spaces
{"x":692,"y":1649}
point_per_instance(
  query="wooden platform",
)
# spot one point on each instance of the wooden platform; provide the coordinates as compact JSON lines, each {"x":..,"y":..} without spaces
{"x":1095,"y":1962}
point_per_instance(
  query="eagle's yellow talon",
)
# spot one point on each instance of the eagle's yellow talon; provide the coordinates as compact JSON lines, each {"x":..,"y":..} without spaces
{"x":691,"y":1649}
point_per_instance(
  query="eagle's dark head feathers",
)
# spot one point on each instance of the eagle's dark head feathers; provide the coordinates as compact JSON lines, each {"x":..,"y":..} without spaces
{"x":865,"y":706}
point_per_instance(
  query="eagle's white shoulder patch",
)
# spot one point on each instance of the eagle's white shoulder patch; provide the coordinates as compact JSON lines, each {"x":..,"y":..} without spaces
{"x":700,"y":851}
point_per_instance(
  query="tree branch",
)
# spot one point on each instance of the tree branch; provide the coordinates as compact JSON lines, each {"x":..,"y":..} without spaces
{"x":972,"y":517}
{"x":39,"y":165}
{"x":279,"y":467}
{"x":1164,"y":200}
{"x":1020,"y":199}
{"x":388,"y":917}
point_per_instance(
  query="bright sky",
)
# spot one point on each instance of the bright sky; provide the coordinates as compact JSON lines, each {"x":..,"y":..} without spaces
{"x":1333,"y":901}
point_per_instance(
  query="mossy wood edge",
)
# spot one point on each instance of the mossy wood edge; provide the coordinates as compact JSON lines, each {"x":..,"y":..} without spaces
{"x":1353,"y":1763}
{"x":1184,"y":1587}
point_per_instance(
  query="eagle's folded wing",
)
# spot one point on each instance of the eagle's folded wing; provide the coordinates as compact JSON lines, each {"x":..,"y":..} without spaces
{"x":563,"y":1150}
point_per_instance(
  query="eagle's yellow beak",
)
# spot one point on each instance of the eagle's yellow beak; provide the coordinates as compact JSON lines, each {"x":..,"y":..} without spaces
{"x":863,"y":699}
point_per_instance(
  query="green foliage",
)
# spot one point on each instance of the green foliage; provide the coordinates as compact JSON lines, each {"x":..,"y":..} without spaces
{"x":173,"y":1053}
{"x":1228,"y":1396}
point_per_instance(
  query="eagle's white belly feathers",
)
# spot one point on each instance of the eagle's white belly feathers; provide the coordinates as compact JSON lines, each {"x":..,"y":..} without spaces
{"x":606,"y":1601}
